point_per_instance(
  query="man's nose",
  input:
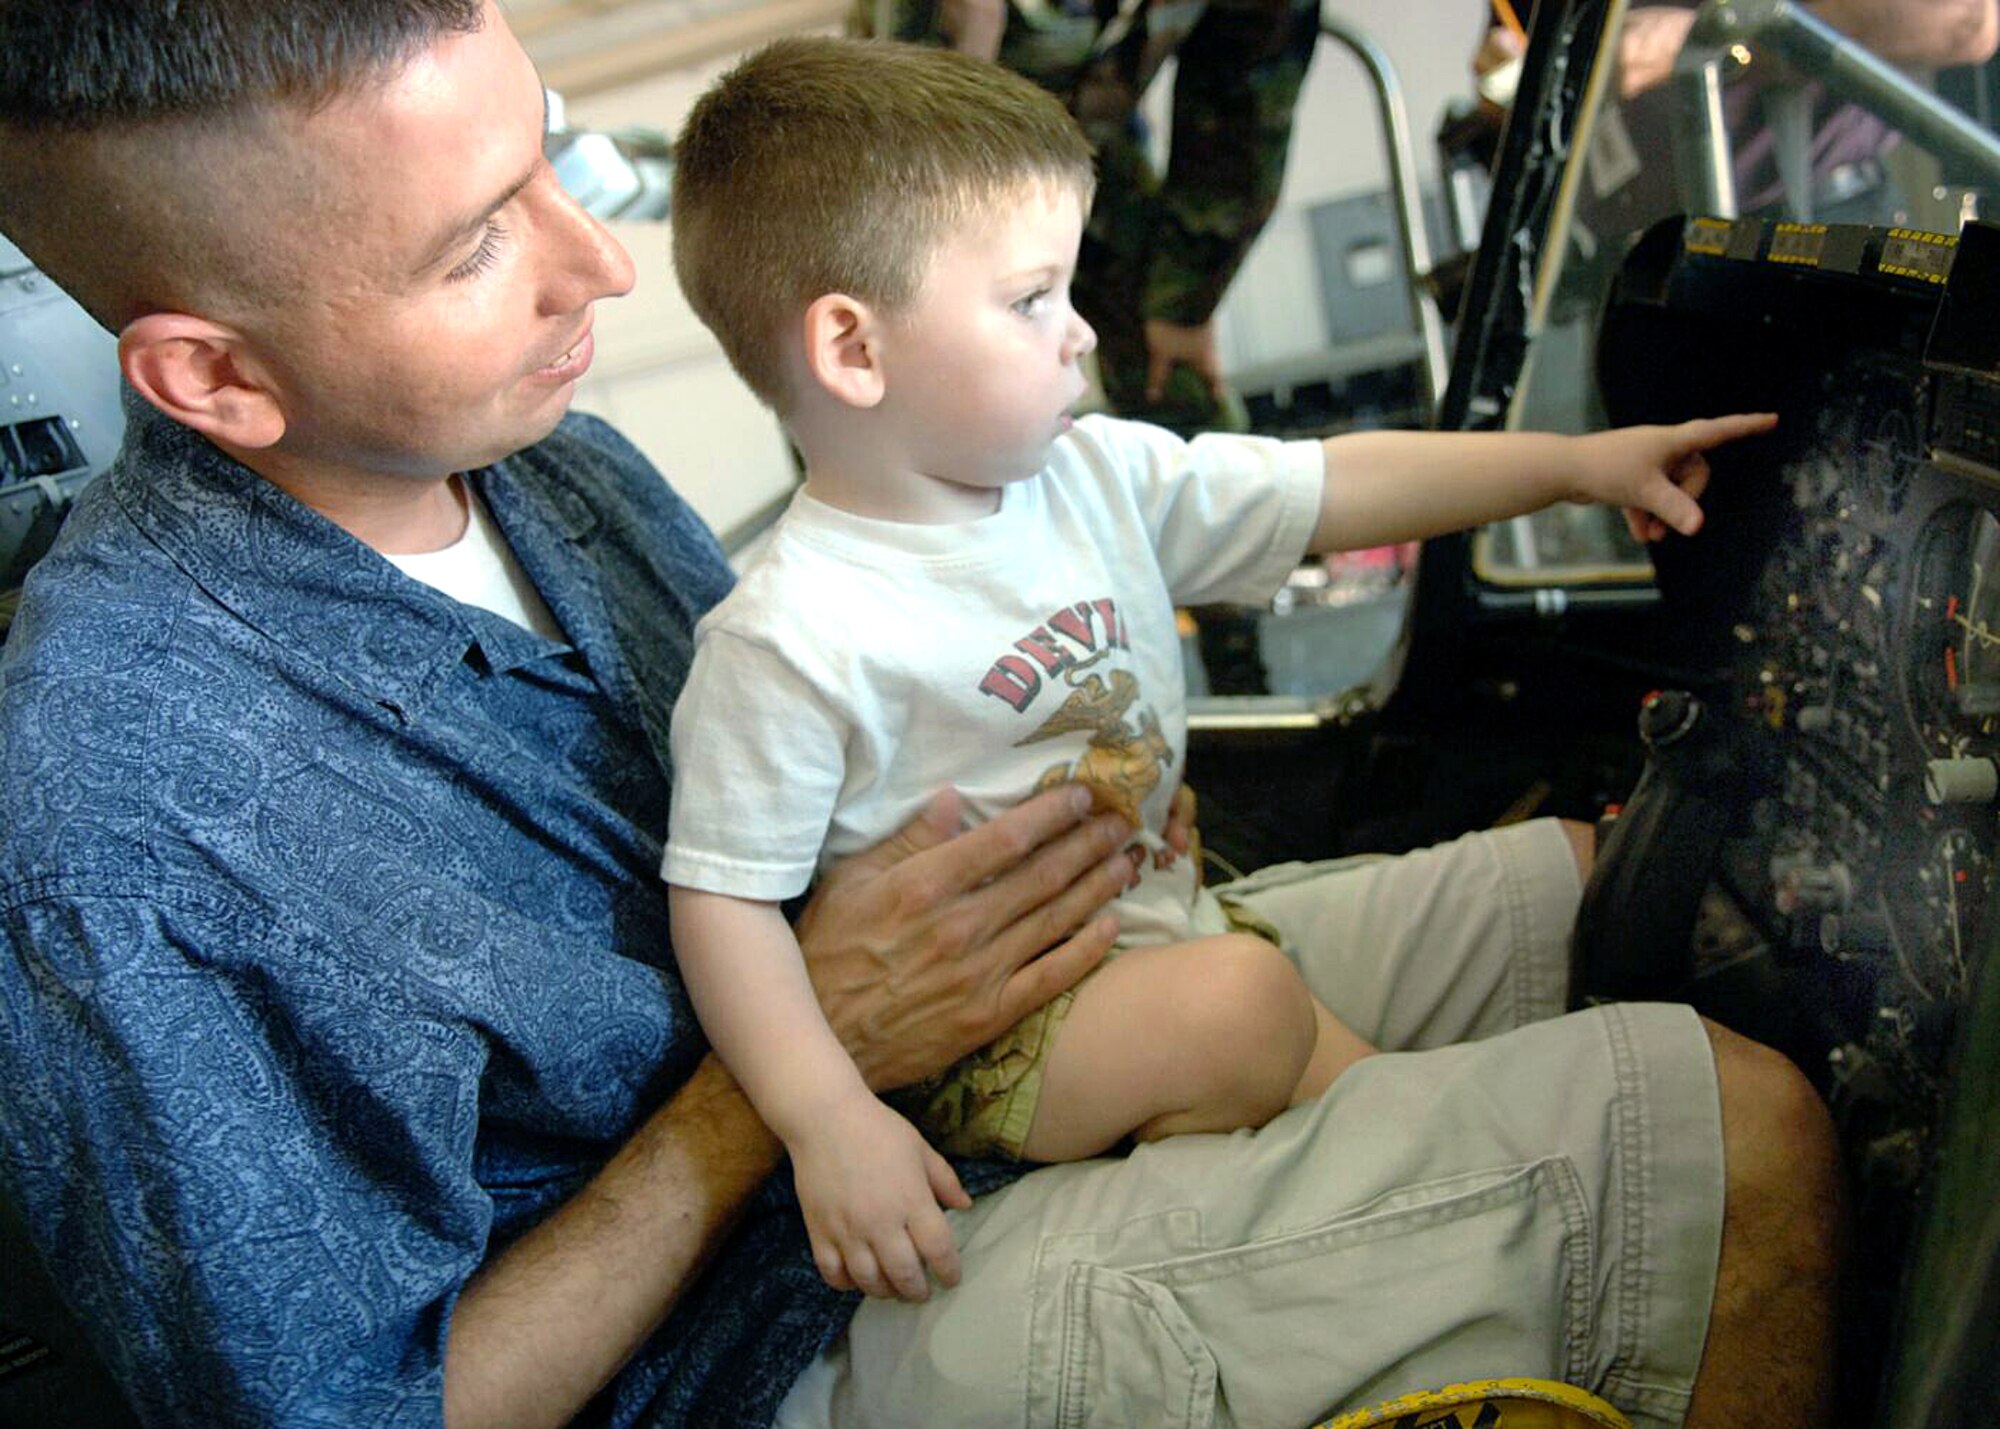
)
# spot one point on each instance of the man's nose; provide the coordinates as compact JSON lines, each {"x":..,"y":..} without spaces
{"x":584,"y":261}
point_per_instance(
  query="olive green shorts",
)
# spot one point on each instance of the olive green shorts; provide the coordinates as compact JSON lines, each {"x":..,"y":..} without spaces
{"x":983,"y":1104}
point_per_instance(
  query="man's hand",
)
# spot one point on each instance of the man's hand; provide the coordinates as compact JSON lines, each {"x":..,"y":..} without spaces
{"x":1647,"y":46}
{"x":935,"y":941}
{"x":871,"y":1188}
{"x":1171,"y":344}
{"x":1657,"y":473}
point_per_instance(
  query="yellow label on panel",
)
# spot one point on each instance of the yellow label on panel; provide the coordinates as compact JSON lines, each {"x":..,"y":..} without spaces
{"x":1708,"y":235}
{"x":1800,"y":243}
{"x":1914,"y":253}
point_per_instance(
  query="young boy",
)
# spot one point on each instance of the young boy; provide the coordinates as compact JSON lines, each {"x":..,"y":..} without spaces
{"x":973,"y":591}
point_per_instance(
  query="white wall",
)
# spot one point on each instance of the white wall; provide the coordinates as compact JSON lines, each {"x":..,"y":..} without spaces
{"x":659,"y":376}
{"x":662,"y":379}
{"x":1337,"y":150}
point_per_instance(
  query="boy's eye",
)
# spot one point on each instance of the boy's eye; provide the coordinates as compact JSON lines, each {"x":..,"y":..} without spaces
{"x":1028,"y":306}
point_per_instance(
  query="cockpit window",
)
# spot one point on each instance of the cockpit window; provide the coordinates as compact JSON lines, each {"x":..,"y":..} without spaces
{"x":1735,"y":110}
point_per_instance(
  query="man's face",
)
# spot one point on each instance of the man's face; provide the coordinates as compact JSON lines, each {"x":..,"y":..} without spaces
{"x":984,"y":365}
{"x":443,"y":310}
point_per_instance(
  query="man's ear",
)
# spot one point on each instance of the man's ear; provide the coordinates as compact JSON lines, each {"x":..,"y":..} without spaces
{"x":201,"y":374}
{"x":843,"y":349}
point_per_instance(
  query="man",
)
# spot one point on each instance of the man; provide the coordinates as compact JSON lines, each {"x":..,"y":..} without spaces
{"x":348,"y":1078}
{"x":1630,"y":179}
{"x":1844,"y":144}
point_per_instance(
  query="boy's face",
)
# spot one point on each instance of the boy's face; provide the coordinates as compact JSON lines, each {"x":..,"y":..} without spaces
{"x":982,"y":369}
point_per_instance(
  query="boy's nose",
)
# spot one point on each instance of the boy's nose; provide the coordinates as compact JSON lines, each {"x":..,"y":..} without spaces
{"x":1082,"y":338}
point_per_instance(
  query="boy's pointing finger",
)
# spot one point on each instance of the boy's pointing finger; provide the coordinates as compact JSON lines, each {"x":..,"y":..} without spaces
{"x":1714,"y":431}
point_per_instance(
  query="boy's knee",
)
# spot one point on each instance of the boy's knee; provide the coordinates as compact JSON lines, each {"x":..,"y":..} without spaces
{"x":1252,"y":1012}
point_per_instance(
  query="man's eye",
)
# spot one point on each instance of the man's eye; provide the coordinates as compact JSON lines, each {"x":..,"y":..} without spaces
{"x":483,"y":257}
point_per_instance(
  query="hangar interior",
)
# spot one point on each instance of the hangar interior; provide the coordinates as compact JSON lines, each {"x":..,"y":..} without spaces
{"x":1788,"y":725}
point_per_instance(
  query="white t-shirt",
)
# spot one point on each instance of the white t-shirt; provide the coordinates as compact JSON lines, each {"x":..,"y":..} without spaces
{"x":479,"y":569}
{"x":863,"y":665}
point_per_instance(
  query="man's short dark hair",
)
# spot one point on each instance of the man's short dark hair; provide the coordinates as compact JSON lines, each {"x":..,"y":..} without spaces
{"x":117,"y":121}
{"x":86,"y":63}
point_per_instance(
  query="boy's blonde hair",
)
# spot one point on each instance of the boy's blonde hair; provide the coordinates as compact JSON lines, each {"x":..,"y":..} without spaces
{"x":822,"y":165}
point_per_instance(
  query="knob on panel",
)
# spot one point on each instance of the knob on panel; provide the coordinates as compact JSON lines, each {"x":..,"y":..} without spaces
{"x":1961,"y":781}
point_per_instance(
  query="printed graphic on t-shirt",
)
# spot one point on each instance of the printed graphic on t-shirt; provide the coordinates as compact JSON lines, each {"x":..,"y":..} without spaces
{"x":1121,"y":765}
{"x":1121,"y":762}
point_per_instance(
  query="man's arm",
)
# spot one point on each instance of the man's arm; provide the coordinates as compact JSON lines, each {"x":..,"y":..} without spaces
{"x":1919,"y":34}
{"x":544,"y":1326}
{"x":1235,"y":92}
{"x":920,"y":950}
{"x":1382,"y":488}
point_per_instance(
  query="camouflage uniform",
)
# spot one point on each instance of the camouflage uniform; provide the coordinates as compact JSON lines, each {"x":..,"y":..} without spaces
{"x":1163,"y":249}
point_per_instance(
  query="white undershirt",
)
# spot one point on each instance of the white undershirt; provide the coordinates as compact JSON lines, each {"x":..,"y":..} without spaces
{"x":479,"y":569}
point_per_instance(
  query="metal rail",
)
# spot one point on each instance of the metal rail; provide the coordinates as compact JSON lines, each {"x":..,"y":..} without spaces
{"x":1404,"y":196}
{"x":1269,"y":714}
{"x":1726,"y":32}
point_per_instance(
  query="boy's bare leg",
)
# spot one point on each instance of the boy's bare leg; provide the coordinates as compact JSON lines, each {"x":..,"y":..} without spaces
{"x":1208,"y":1035}
{"x":1337,"y":1048}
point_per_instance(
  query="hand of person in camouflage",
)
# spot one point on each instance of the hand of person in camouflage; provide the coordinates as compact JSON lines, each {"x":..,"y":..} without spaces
{"x":974,"y":27}
{"x":1169,"y":344}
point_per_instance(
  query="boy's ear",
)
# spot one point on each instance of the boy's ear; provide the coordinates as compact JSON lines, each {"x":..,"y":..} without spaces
{"x":203,"y":375}
{"x":843,"y":349}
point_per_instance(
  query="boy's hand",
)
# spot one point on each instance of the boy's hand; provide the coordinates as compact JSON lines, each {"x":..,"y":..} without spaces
{"x":1183,"y":838}
{"x":1658,"y":473}
{"x":871,"y":1188}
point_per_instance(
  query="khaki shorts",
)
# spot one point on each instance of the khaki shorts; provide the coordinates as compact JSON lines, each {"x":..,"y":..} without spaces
{"x":1542,"y":1201}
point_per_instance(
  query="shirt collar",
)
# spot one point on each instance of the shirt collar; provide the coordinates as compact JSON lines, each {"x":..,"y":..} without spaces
{"x":298,"y":579}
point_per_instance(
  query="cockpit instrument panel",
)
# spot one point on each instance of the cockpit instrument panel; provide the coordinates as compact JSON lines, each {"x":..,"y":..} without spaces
{"x":1842,"y":608}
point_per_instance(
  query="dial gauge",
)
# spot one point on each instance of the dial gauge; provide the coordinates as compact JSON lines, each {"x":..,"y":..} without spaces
{"x":1954,"y":657}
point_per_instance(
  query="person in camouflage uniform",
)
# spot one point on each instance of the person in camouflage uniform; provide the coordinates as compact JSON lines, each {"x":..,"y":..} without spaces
{"x":1158,"y":254}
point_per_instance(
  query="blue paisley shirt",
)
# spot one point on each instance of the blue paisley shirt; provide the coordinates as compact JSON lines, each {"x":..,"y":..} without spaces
{"x":334,"y":952}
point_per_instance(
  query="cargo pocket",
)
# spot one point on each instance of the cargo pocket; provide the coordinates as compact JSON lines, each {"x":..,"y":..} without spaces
{"x":1129,"y":1356}
{"x":1489,"y":1268}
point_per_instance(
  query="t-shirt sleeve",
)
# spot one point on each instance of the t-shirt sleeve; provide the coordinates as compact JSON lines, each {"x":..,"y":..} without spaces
{"x":758,"y":763}
{"x":1229,"y":516}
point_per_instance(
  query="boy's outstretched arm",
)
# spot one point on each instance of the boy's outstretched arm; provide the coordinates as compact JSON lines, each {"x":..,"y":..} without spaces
{"x":1386,"y":487}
